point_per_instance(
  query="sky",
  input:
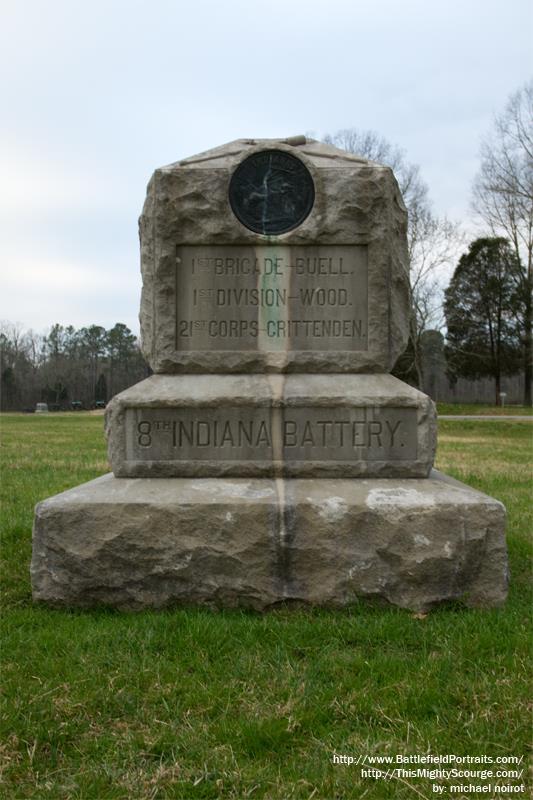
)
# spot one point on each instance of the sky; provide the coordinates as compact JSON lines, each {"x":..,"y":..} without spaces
{"x":96,"y":95}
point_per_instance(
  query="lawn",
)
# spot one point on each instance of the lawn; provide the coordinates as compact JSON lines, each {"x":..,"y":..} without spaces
{"x":484,"y":409}
{"x":197,"y":704}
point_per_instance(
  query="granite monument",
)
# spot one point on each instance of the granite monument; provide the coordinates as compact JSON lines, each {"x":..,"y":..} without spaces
{"x":271,"y":457}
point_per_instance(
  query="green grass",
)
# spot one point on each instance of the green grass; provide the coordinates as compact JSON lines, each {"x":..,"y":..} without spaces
{"x":483,"y":409}
{"x":195,"y":704}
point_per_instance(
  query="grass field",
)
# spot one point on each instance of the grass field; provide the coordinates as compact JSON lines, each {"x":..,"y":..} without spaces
{"x":195,"y":704}
{"x":484,"y":409}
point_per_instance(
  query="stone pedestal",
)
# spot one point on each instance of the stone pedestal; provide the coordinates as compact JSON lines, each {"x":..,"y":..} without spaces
{"x":138,"y":543}
{"x":311,"y":426}
{"x":271,"y":458}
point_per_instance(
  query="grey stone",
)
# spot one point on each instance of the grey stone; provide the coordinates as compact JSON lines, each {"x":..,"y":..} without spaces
{"x":331,"y":295}
{"x":271,"y":425}
{"x":148,"y":543}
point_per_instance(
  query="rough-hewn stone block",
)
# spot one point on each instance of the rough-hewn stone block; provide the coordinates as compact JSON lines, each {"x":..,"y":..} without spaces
{"x":330,"y":295}
{"x":148,"y":543}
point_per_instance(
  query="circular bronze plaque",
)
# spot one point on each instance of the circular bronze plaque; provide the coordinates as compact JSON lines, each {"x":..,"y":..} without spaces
{"x":271,"y":192}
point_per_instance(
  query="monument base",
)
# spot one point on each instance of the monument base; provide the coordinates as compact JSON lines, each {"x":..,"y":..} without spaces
{"x":136,"y":543}
{"x":264,"y":426}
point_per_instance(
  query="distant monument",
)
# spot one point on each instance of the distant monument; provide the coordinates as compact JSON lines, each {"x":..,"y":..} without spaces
{"x":271,"y":457}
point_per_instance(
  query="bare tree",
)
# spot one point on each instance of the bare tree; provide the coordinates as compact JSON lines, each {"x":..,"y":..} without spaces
{"x":502,"y":197}
{"x":20,"y":358}
{"x":433,"y":242}
{"x":14,"y":333}
{"x":371,"y":145}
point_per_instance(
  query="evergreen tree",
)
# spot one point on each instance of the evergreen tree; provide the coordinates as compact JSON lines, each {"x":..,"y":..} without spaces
{"x":481,"y":307}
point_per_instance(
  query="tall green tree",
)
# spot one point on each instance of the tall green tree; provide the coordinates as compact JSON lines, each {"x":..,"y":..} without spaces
{"x":93,"y":343}
{"x":122,"y":351}
{"x":482,"y":308}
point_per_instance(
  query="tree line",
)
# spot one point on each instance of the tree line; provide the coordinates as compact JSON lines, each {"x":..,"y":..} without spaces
{"x":67,"y":367}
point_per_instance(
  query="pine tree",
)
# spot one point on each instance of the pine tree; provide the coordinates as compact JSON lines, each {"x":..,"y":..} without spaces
{"x":481,"y":307}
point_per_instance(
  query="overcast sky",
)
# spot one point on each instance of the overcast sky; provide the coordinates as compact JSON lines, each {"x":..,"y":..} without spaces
{"x":96,"y":95}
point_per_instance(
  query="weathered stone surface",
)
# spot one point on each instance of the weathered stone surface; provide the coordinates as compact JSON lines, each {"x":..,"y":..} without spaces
{"x":330,"y":295}
{"x":271,"y":425}
{"x":139,"y":543}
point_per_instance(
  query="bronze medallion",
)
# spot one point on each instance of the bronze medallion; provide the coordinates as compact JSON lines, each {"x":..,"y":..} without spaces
{"x":271,"y":192}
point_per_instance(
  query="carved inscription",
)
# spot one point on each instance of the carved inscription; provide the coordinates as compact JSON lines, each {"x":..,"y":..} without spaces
{"x":291,"y":434}
{"x":271,"y":298}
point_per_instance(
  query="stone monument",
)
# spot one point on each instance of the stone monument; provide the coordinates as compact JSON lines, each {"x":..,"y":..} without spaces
{"x":271,"y":457}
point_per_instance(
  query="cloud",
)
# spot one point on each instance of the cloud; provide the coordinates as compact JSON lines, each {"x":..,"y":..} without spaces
{"x":33,"y":182}
{"x":50,"y":276}
{"x":39,"y":292}
{"x":69,"y":250}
